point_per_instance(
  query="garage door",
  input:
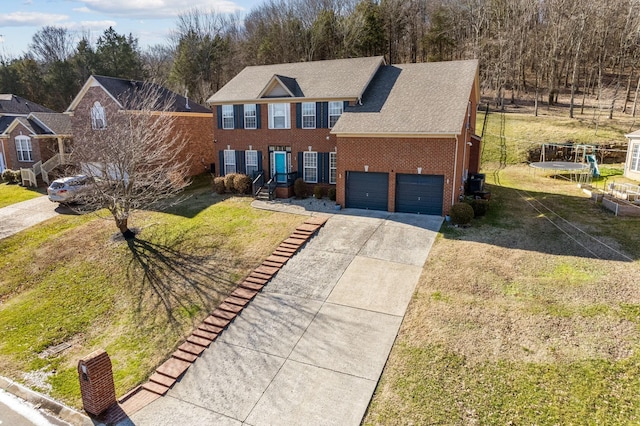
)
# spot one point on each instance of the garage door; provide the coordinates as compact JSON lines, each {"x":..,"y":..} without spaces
{"x":367,"y":190}
{"x":419,"y":193}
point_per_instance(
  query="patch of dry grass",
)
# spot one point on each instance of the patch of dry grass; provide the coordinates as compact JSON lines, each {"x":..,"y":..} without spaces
{"x":514,"y":322}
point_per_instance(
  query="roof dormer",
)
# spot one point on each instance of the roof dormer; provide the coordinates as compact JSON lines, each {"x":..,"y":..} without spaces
{"x":280,"y":86}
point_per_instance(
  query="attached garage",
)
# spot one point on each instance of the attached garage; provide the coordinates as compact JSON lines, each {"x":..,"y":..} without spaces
{"x":367,"y":190}
{"x":419,"y":193}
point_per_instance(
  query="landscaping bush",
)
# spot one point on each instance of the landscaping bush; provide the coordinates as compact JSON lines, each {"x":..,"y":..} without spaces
{"x":461,"y":214}
{"x":300,"y":188}
{"x":331,"y":193}
{"x":318,"y":192}
{"x":229,"y":182}
{"x":218,"y":185}
{"x":242,"y":183}
{"x":11,"y":176}
{"x":479,"y":207}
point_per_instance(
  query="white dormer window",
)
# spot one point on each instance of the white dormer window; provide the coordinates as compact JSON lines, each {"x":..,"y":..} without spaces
{"x":335,"y":111}
{"x":279,"y":116}
{"x":98,"y":118}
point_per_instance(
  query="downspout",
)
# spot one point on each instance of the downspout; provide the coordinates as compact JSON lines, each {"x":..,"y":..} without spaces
{"x":455,"y":176}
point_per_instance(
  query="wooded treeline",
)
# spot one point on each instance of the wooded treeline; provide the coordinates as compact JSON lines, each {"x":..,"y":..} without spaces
{"x":533,"y":49}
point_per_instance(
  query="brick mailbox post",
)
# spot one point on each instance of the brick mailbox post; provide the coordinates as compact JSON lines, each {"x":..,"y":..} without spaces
{"x":96,"y":382}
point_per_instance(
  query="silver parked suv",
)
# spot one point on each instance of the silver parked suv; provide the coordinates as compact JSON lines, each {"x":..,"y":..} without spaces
{"x":66,"y":189}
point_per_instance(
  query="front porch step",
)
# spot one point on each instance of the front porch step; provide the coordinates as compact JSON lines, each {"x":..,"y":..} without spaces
{"x":263,"y":194}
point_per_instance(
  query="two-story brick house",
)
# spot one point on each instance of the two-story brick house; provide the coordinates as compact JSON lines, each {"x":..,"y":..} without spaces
{"x":389,"y":137}
{"x":103,"y":97}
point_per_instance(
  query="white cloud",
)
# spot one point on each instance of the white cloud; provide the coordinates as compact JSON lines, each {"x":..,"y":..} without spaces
{"x":150,"y":9}
{"x":36,"y":19}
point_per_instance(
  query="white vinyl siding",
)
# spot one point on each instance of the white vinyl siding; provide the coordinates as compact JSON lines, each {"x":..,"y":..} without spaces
{"x":229,"y":161}
{"x":335,"y":111}
{"x":251,"y":162}
{"x":227,"y":116}
{"x":250,"y":119}
{"x":310,"y":167}
{"x":333,"y":167}
{"x":98,"y":117}
{"x":279,"y":116}
{"x":23,"y":148}
{"x":308,"y":115}
{"x":635,"y":158}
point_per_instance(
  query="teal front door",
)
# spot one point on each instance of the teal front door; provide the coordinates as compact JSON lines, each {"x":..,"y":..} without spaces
{"x":280,"y":166}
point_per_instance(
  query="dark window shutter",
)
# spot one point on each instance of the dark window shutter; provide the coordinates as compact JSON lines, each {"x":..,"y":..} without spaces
{"x":258,"y":122}
{"x":219,"y":114}
{"x":238,"y":116}
{"x":318,"y":115}
{"x":298,"y":115}
{"x":345,"y":105}
{"x":221,"y":162}
{"x":323,"y":164}
{"x":259,"y":161}
{"x":300,"y":165}
{"x":240,"y":162}
{"x":325,"y":115}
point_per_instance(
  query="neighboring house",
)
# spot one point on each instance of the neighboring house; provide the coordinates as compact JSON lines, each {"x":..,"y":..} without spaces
{"x":632,"y":164}
{"x":100,"y":95}
{"x":29,"y":132}
{"x":389,"y":137}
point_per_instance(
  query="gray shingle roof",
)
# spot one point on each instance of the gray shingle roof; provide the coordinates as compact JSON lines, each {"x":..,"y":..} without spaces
{"x":121,"y":88}
{"x":424,"y":98}
{"x":334,"y":79}
{"x":12,"y":104}
{"x":59,"y":124}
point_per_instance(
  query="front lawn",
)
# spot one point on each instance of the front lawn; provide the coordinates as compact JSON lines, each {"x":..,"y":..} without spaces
{"x":516,"y":322}
{"x":11,"y":194}
{"x":72,"y":281}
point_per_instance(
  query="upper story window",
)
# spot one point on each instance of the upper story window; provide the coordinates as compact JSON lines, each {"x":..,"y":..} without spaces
{"x":98,"y":117}
{"x":227,"y":116}
{"x":308,"y":115}
{"x":635,"y":158}
{"x":250,"y":117}
{"x":335,"y":111}
{"x":23,"y":148}
{"x":279,"y":116}
{"x":333,"y":167}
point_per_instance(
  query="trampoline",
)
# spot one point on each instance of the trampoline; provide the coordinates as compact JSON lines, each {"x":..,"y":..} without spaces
{"x":561,"y":166}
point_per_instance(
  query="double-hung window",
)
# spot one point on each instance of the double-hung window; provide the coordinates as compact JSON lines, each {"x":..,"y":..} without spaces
{"x":98,"y":117}
{"x":635,"y":157}
{"x":310,"y":167}
{"x":335,"y":111}
{"x":250,"y":118}
{"x":23,"y":148}
{"x":308,"y":115}
{"x":251,"y":162}
{"x":333,"y":167}
{"x":229,"y":161}
{"x":279,"y":116}
{"x":227,"y":116}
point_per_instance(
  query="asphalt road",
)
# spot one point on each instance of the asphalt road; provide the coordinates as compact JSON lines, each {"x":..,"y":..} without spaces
{"x":16,"y":412}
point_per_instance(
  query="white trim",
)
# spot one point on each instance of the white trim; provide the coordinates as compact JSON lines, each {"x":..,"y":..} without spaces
{"x":329,"y":115}
{"x":229,"y":160}
{"x":254,"y":116}
{"x":634,"y":167}
{"x":313,"y":168}
{"x":335,"y":160}
{"x":287,"y":115}
{"x":225,"y":115}
{"x":250,"y":154}
{"x":303,"y":115}
{"x":98,"y":117}
{"x":20,"y":149}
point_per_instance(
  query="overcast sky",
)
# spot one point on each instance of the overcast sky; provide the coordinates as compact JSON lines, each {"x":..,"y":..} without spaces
{"x":148,"y":20}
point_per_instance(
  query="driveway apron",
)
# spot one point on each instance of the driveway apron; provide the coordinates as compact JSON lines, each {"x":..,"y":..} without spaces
{"x":16,"y":217}
{"x":310,"y":348}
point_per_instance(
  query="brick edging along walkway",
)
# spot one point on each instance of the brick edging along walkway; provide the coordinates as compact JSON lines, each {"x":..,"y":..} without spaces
{"x":188,"y":352}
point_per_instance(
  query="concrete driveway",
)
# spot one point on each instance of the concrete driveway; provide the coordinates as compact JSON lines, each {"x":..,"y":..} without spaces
{"x":19,"y":216}
{"x":310,"y":348}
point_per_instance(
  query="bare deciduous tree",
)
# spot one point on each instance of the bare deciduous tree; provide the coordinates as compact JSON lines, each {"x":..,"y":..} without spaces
{"x":135,"y":156}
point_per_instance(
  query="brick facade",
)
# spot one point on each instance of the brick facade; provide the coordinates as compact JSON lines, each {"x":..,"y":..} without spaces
{"x":96,"y":382}
{"x":41,"y":148}
{"x":196,"y":127}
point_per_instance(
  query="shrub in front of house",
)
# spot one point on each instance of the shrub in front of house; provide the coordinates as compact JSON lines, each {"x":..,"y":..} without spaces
{"x":461,"y":214}
{"x":11,"y":176}
{"x":229,"y":182}
{"x":479,"y":207}
{"x":242,"y":183}
{"x":318,"y":192}
{"x":300,"y":188}
{"x":331,"y":193}
{"x":218,"y":185}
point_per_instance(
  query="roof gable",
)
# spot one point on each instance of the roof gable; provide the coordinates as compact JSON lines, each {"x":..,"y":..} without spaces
{"x":334,"y":79}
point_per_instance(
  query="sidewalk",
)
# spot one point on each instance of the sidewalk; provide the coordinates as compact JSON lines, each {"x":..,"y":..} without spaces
{"x":310,"y":348}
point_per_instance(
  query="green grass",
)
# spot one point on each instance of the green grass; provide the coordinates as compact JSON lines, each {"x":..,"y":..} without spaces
{"x":11,"y":194}
{"x":73,"y":280}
